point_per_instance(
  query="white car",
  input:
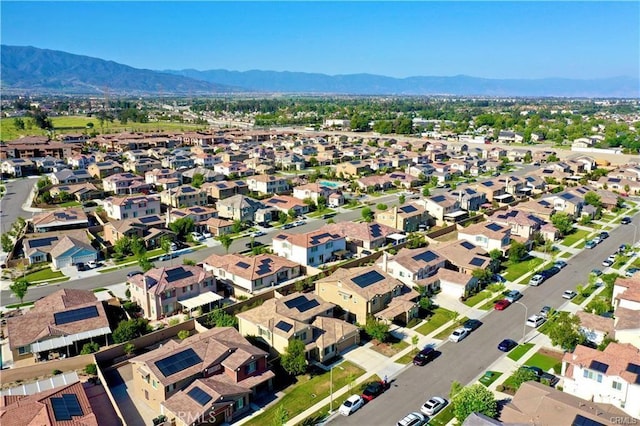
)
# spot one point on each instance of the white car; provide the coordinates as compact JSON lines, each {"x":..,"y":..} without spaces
{"x":197,"y":236}
{"x":299,"y":223}
{"x":351,"y":405}
{"x":433,"y":406}
{"x":535,"y":321}
{"x":569,"y":294}
{"x":258,"y":234}
{"x":412,"y":419}
{"x":207,"y":234}
{"x":458,"y":334}
{"x":92,"y":264}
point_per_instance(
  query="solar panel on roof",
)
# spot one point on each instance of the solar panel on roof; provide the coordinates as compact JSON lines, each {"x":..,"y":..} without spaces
{"x":74,"y":315}
{"x":295,"y":302}
{"x":199,"y":396}
{"x":585,"y":421}
{"x":599,"y":366}
{"x":309,"y":304}
{"x":148,"y":219}
{"x":42,"y":242}
{"x":427,"y":256}
{"x":494,"y":227}
{"x":438,"y":198}
{"x":177,"y":274}
{"x":178,"y":362}
{"x":633,"y":368}
{"x":408,"y":209}
{"x":467,"y":245}
{"x":376,"y":231}
{"x":66,"y":407}
{"x":284,"y":326}
{"x":476,"y":261}
{"x":264,"y":267}
{"x":242,"y":265}
{"x":367,"y":279}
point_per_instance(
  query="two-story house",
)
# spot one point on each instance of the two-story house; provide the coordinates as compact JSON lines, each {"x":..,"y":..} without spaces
{"x":267,"y":184}
{"x":162,"y":292}
{"x":368,"y":291}
{"x":443,"y":207}
{"x":494,"y":190}
{"x":407,"y":217}
{"x":611,"y":376}
{"x":238,"y":207}
{"x":103,"y":169}
{"x":184,"y":196}
{"x":412,"y":265}
{"x":626,"y":302}
{"x":150,"y":229}
{"x":213,"y":374}
{"x":68,"y":176}
{"x":251,"y":273}
{"x":286,"y":203}
{"x":487,"y":235}
{"x":566,"y":202}
{"x":58,"y":220}
{"x":362,"y":235}
{"x":523,"y":224}
{"x":125,"y":183}
{"x":468,"y":198}
{"x":131,"y":207}
{"x":142,"y":165}
{"x":310,"y":248}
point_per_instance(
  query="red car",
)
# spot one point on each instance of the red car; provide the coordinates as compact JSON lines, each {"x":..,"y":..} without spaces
{"x":372,"y":390}
{"x":501,"y":305}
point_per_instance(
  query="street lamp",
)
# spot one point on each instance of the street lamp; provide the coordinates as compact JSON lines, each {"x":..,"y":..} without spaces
{"x":526,"y":315}
{"x":331,"y":391}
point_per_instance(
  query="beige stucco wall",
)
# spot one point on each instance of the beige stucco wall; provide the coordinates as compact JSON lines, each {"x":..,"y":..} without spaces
{"x":356,"y":304}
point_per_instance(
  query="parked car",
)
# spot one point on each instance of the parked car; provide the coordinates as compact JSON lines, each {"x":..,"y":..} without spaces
{"x":535,"y":321}
{"x":625,"y":220}
{"x":621,"y":249}
{"x":499,"y":278}
{"x":372,"y":390}
{"x":536,"y":370}
{"x":433,"y":405}
{"x":560,"y":264}
{"x":604,"y":235}
{"x":81,"y":267}
{"x":424,"y":356}
{"x":252,"y":244}
{"x":590,"y":244}
{"x":412,"y":419}
{"x":299,"y":223}
{"x":548,"y":273}
{"x":472,"y":324}
{"x":197,"y":236}
{"x":92,"y":264}
{"x":288,"y":226}
{"x":207,"y":234}
{"x":597,"y":240}
{"x":569,"y":294}
{"x":351,"y":405}
{"x":513,"y":295}
{"x":258,"y":234}
{"x":506,"y":345}
{"x":458,"y":334}
{"x":596,"y":272}
{"x":173,"y":247}
{"x":545,"y":311}
{"x":536,"y":280}
{"x":631,"y":271}
{"x":501,"y":305}
{"x":607,"y":262}
{"x":133,"y":273}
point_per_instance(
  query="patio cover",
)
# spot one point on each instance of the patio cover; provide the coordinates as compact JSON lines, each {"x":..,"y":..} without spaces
{"x":200,"y":300}
{"x":64,"y":341}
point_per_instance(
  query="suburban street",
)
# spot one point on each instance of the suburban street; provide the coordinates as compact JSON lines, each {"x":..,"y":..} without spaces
{"x":465,"y":360}
{"x":11,"y":204}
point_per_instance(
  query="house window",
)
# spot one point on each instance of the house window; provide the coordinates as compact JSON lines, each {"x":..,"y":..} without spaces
{"x":314,"y":249}
{"x":616,"y":385}
{"x":24,"y":349}
{"x":329,"y":349}
{"x":154,"y":384}
{"x":171,"y":387}
{"x":303,"y":335}
{"x":239,"y":404}
{"x":311,"y":260}
{"x":599,"y":378}
{"x":250,"y":368}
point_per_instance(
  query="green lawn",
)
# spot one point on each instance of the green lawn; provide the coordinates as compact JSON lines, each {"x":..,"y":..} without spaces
{"x":391,"y":348}
{"x":70,"y":204}
{"x":307,"y":392}
{"x":43,"y":275}
{"x":516,"y":270}
{"x":318,"y":214}
{"x":439,"y":318}
{"x":565,"y":255}
{"x":545,"y":362}
{"x":588,"y":291}
{"x":447,"y":331}
{"x":489,"y":305}
{"x":443,"y":417}
{"x":406,"y":359}
{"x":578,"y":235}
{"x":477,"y":298}
{"x":149,"y":254}
{"x":519,"y":351}
{"x":489,"y":377}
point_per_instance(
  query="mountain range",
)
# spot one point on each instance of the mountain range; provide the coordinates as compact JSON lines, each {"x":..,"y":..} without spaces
{"x":49,"y":71}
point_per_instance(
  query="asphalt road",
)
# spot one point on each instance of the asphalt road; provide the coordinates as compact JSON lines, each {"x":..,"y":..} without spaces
{"x":465,"y":360}
{"x":11,"y":204}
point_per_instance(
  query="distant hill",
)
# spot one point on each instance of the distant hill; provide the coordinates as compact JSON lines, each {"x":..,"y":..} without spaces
{"x":369,"y":84}
{"x":41,"y":70}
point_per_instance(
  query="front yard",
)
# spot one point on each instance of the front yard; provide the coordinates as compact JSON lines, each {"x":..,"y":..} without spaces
{"x":547,"y":360}
{"x":440,"y":317}
{"x":519,"y":351}
{"x":43,"y":275}
{"x":514,"y":271}
{"x":390,"y":347}
{"x":578,"y":235}
{"x":307,"y":391}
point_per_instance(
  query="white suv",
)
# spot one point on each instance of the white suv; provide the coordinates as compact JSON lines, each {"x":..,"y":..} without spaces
{"x":535,"y":321}
{"x":536,"y":280}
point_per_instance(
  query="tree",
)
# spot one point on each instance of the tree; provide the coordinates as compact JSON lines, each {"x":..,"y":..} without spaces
{"x":592,"y":199}
{"x":282,"y":217}
{"x":402,"y":198}
{"x":322,"y":203}
{"x":455,"y":389}
{"x":484,"y":276}
{"x":182,"y":227}
{"x":377,"y":329}
{"x":517,"y":251}
{"x":219,"y":318}
{"x":129,"y":348}
{"x":145,"y":263}
{"x":280,"y":417}
{"x":563,"y":222}
{"x":137,"y":247}
{"x":522,"y":375}
{"x":165,"y":244}
{"x":19,"y":288}
{"x":18,"y":123}
{"x":91,"y":369}
{"x":197,"y":180}
{"x":42,"y":119}
{"x":564,"y":331}
{"x":474,"y":399}
{"x":89,"y":348}
{"x":237,"y":226}
{"x":367,"y":214}
{"x":552,"y":158}
{"x":183,"y":334}
{"x":426,"y":192}
{"x":292,"y":214}
{"x":226,"y":241}
{"x":129,"y":329}
{"x":416,"y":240}
{"x":293,"y":360}
{"x":7,"y":243}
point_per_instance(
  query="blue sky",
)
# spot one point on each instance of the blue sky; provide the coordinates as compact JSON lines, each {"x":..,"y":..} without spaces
{"x":399,"y":39}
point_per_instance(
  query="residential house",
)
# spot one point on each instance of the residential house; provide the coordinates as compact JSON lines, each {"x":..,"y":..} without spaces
{"x":208,"y":175}
{"x":217,"y":226}
{"x":131,"y":207}
{"x":290,"y":161}
{"x":518,"y":155}
{"x":353,"y":168}
{"x":142,"y":165}
{"x":362,"y":235}
{"x":80,"y":161}
{"x":566,"y":202}
{"x":125,"y":183}
{"x":310,"y":248}
{"x":214,"y":374}
{"x":464,"y":256}
{"x":550,"y":406}
{"x":595,"y":327}
{"x":150,"y":229}
{"x":534,"y":184}
{"x":523,"y":224}
{"x":58,"y":324}
{"x":103,"y":169}
{"x":251,"y":273}
{"x":618,"y":184}
{"x":225,"y":189}
{"x":300,"y":316}
{"x":166,"y":291}
{"x":267,"y":184}
{"x":505,"y":136}
{"x":184,"y":196}
{"x":238,"y":207}
{"x":487,"y":235}
{"x":412,"y":266}
{"x":407,"y":217}
{"x":468,"y":198}
{"x":611,"y":376}
{"x":513,"y":185}
{"x":178,"y":162}
{"x":68,"y":176}
{"x":314,"y":191}
{"x":233,"y":169}
{"x":494,"y":189}
{"x":17,"y":167}
{"x":206,"y":159}
{"x":60,"y":220}
{"x":444,"y":207}
{"x":286,"y":203}
{"x":80,"y":191}
{"x":163,"y":178}
{"x":62,"y":249}
{"x":198,"y":214}
{"x":626,"y":303}
{"x":368,"y":291}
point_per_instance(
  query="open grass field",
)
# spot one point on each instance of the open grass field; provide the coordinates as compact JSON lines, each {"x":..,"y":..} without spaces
{"x":78,"y":124}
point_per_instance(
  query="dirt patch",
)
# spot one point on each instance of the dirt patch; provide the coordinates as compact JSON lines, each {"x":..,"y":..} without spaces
{"x":551,"y":353}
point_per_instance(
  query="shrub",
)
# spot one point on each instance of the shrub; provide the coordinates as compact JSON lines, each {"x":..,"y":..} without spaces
{"x":91,"y":369}
{"x":89,"y":348}
{"x":55,"y":372}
